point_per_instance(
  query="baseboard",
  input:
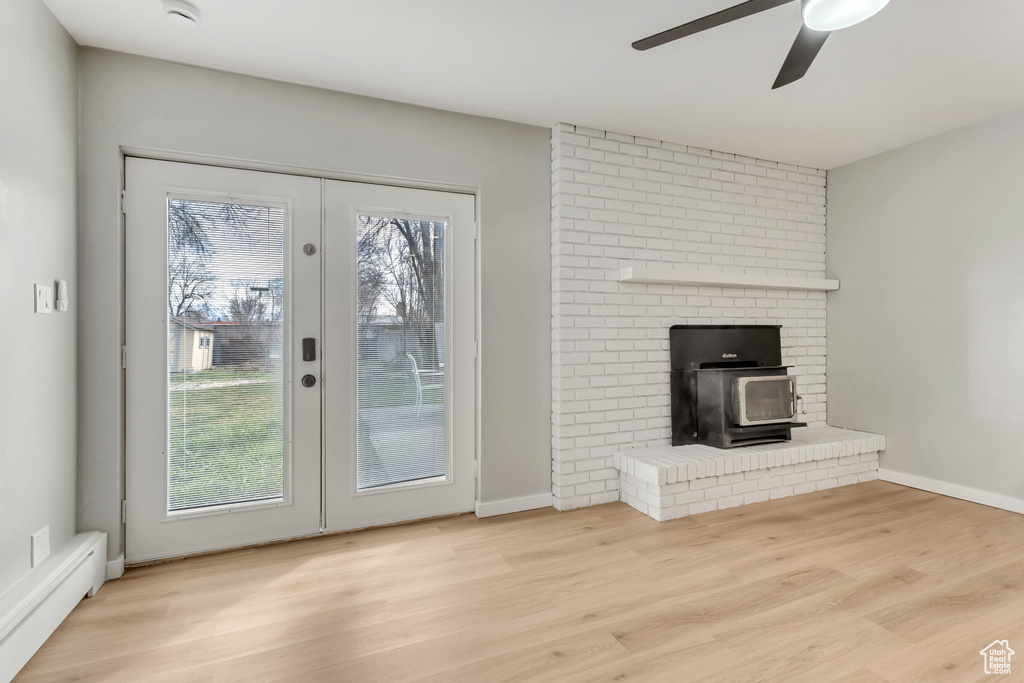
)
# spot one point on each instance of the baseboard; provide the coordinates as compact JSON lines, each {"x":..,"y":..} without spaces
{"x":995,"y":500}
{"x":115,"y":568}
{"x":508,"y":505}
{"x":36,"y":606}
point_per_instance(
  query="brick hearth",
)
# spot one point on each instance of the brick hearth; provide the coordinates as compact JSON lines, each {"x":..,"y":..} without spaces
{"x":667,"y":483}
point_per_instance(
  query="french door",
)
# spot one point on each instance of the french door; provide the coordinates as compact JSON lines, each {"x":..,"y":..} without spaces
{"x":399,"y":403}
{"x":299,"y":356}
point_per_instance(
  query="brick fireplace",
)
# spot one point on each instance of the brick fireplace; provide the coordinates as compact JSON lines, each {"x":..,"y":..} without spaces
{"x":620,"y":200}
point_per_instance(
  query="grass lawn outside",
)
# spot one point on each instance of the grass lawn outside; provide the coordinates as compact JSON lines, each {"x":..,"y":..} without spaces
{"x":226,"y":430}
{"x":226,"y":437}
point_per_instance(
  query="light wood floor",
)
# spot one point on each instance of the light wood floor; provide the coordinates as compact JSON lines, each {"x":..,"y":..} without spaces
{"x":860,"y":584}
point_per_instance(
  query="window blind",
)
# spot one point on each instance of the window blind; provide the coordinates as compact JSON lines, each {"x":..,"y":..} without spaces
{"x":225,"y":297}
{"x":400,"y":351}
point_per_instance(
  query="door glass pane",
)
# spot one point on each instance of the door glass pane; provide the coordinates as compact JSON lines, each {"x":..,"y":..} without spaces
{"x":225,"y":296}
{"x":400,"y":313}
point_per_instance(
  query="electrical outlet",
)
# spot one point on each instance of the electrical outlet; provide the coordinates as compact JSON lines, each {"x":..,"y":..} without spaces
{"x":44,"y":299}
{"x":40,"y":546}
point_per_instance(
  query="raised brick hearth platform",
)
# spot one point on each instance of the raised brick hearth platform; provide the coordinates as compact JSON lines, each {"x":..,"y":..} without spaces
{"x":667,"y":483}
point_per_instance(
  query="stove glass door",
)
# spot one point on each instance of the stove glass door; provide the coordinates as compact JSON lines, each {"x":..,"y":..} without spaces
{"x":764,"y":400}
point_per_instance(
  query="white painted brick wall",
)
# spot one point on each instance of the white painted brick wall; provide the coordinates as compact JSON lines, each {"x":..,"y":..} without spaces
{"x":621,"y":200}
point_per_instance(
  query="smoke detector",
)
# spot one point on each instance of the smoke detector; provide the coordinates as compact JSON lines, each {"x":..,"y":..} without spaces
{"x":181,"y":12}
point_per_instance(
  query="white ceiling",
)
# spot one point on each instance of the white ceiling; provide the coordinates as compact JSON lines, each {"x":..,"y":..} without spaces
{"x":918,"y":68}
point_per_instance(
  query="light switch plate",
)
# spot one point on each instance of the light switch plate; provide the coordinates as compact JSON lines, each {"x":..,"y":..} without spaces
{"x":44,"y":299}
{"x":40,"y":546}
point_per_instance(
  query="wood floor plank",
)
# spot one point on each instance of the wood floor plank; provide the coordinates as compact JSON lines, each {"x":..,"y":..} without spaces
{"x":972,"y":596}
{"x":862,"y":584}
{"x":862,"y":675}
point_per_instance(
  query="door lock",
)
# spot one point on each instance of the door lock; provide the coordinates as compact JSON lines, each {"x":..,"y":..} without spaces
{"x":309,"y":348}
{"x":309,"y":249}
{"x":308,"y":381}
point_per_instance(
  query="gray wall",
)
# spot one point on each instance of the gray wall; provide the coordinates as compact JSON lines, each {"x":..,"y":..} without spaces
{"x":38,"y":82}
{"x":142,"y":103}
{"x":926,"y":336}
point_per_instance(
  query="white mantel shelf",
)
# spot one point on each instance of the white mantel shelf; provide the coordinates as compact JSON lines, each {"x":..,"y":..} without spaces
{"x":673,"y":276}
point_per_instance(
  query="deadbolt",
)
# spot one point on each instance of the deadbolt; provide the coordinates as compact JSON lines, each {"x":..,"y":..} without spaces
{"x":309,"y":249}
{"x":309,"y":348}
{"x":308,"y":381}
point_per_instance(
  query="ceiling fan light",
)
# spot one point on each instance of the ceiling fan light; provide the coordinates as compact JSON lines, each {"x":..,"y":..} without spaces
{"x":832,"y":15}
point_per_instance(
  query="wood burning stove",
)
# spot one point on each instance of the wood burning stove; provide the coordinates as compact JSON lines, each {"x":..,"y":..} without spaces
{"x":729,"y":387}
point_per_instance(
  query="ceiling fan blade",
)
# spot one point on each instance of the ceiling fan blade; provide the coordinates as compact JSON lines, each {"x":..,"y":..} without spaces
{"x":806,"y":47}
{"x":740,"y":11}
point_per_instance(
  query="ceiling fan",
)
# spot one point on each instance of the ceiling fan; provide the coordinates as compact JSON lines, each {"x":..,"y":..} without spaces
{"x":821,"y":17}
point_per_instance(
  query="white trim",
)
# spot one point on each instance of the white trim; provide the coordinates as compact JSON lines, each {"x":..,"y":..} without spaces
{"x":995,"y":500}
{"x":36,"y":606}
{"x":115,"y":568}
{"x":508,"y":505}
{"x":290,"y":169}
{"x":674,"y":276}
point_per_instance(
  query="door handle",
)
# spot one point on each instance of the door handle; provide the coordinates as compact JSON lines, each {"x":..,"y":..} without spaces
{"x":309,"y":348}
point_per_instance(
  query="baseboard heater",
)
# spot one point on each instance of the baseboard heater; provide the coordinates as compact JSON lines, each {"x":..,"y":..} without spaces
{"x":36,"y":606}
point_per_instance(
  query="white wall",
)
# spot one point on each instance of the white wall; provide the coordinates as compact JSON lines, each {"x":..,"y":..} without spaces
{"x":926,"y":336}
{"x":38,"y":82}
{"x":619,"y":200}
{"x":143,"y":103}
